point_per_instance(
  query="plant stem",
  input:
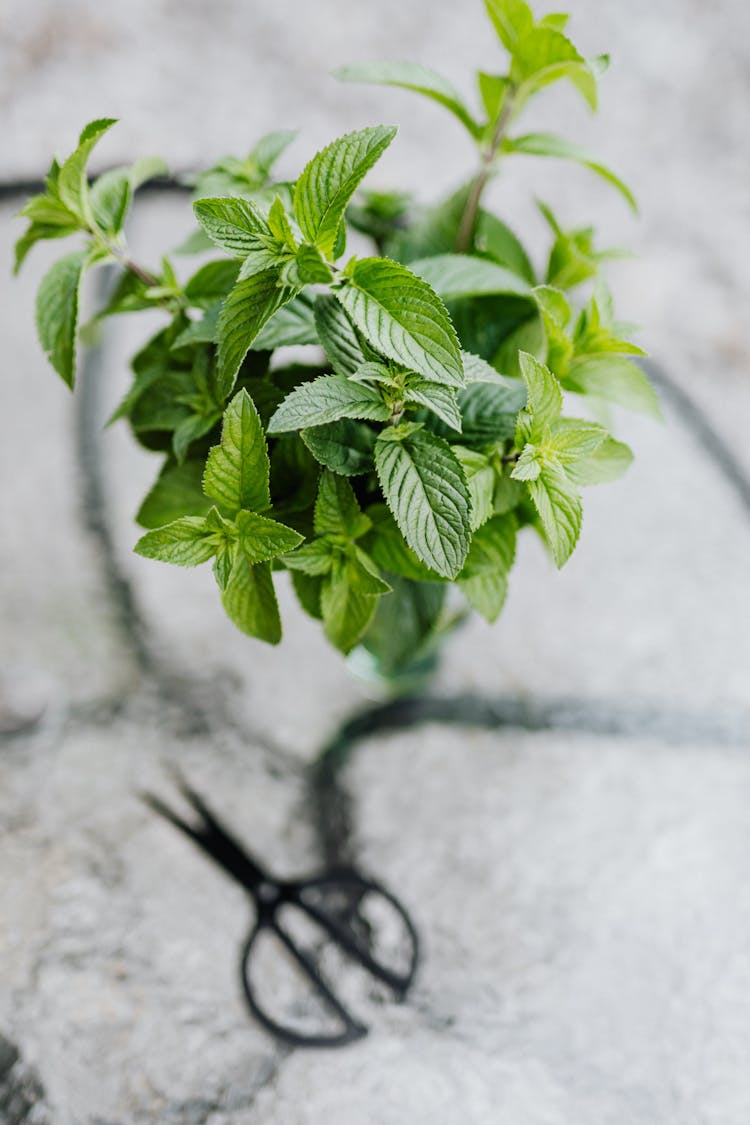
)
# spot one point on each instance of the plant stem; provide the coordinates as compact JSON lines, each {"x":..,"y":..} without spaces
{"x":479,"y":183}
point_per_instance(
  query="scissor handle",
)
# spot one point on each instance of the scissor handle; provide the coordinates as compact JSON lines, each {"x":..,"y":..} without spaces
{"x":345,"y":936}
{"x":356,"y":887}
{"x":351,"y":1029}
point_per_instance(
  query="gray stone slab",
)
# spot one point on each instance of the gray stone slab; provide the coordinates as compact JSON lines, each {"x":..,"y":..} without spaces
{"x":120,"y":943}
{"x":584,"y":909}
{"x":59,"y":637}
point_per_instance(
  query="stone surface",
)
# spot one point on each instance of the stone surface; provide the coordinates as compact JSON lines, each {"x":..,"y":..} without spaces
{"x":583,"y":900}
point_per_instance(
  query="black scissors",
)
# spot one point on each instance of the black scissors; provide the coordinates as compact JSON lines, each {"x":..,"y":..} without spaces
{"x":344,"y":926}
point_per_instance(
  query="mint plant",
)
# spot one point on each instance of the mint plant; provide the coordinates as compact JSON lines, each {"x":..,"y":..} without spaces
{"x":425,"y":429}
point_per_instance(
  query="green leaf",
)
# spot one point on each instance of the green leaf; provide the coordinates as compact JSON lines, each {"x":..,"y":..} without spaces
{"x":330,"y":179}
{"x":292,"y":325}
{"x":496,"y":240}
{"x":386,"y":545}
{"x":413,"y":76}
{"x":573,"y":440}
{"x":544,"y":55}
{"x":489,"y":411}
{"x":177,"y":492}
{"x":326,"y":399}
{"x":338,"y":336}
{"x":336,"y":509}
{"x":461,"y":275}
{"x":237,"y":470}
{"x":236,"y":225}
{"x":511,"y":19}
{"x":247,"y":308}
{"x":616,"y":379}
{"x":559,"y":506}
{"x":608,"y":462}
{"x":346,"y":612}
{"x":478,"y":370}
{"x":441,"y":400}
{"x":311,"y":268}
{"x":308,"y":591}
{"x":270,"y":147}
{"x":314,"y":558}
{"x":110,"y":199}
{"x":185,"y":542}
{"x":57,"y":313}
{"x":480,"y":477}
{"x":72,"y":184}
{"x":192,"y":428}
{"x":38,"y":232}
{"x":425,"y":488}
{"x":484,"y":578}
{"x":211,"y":283}
{"x":262,"y":539}
{"x":549,"y":144}
{"x":403,"y":318}
{"x":250,"y":600}
{"x":493,"y":89}
{"x":345,"y":447}
{"x":544,"y":396}
{"x":364,"y":574}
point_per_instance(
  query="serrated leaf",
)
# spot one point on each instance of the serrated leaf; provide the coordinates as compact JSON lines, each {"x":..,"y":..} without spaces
{"x":330,"y":179}
{"x":544,"y":396}
{"x":453,"y":276}
{"x":234,"y":224}
{"x":425,"y":488}
{"x":336,"y":509}
{"x":270,"y":147}
{"x":413,"y":76}
{"x":238,"y":469}
{"x":387,"y":547}
{"x":616,"y":379}
{"x":559,"y":506}
{"x":262,"y":539}
{"x":308,"y":591}
{"x":403,"y":318}
{"x":484,"y":578}
{"x":441,"y":400}
{"x":326,"y":399}
{"x":177,"y":492}
{"x":549,"y":144}
{"x":478,"y":370}
{"x":249,"y":600}
{"x":184,"y":542}
{"x":57,"y":313}
{"x":72,"y":184}
{"x":480,"y":477}
{"x":338,"y":336}
{"x":608,"y":462}
{"x":511,"y":19}
{"x":292,"y":325}
{"x":247,"y":308}
{"x":345,"y":447}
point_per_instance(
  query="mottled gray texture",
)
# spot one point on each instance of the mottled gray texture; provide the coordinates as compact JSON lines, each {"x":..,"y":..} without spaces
{"x":583,"y":899}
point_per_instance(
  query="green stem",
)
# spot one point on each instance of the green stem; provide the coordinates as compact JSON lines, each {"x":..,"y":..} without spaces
{"x":479,"y":183}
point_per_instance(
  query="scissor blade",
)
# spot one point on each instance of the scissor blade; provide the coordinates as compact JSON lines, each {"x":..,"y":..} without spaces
{"x":212,"y":838}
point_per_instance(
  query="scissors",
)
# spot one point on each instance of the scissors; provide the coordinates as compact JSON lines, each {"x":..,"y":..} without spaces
{"x":344,"y":926}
